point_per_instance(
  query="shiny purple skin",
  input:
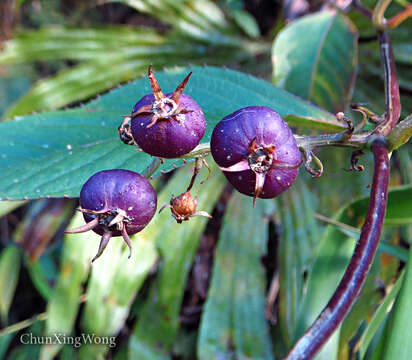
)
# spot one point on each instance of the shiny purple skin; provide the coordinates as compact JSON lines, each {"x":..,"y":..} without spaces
{"x":168,"y":138}
{"x":120,"y":189}
{"x":232,"y":137}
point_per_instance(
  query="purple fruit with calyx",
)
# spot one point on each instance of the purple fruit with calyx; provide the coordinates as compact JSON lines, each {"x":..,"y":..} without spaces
{"x":167,"y":126}
{"x":257,"y":152}
{"x":116,"y":203}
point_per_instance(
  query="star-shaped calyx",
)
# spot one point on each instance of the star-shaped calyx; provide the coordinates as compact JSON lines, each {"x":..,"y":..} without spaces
{"x":260,"y":159}
{"x":163,"y":107}
{"x":111,"y":221}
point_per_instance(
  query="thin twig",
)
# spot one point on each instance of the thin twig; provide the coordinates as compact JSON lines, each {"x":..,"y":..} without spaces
{"x":356,"y":4}
{"x":23,"y":324}
{"x":394,"y":21}
{"x":152,"y":167}
{"x":392,"y":97}
{"x":378,"y":16}
{"x":348,"y":290}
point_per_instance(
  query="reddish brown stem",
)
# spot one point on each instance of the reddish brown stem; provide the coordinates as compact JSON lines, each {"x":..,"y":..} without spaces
{"x":345,"y":295}
{"x":399,"y":18}
{"x":392,"y":97}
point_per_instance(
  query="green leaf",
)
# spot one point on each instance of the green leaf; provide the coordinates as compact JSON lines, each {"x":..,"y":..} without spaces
{"x":397,"y":343}
{"x":200,"y":19}
{"x":233,"y":324}
{"x":60,"y":150}
{"x":354,"y":233}
{"x":246,"y":22}
{"x":315,"y":57}
{"x":112,"y":55}
{"x":42,"y":273}
{"x":298,"y":240}
{"x":112,"y":287}
{"x":61,"y":43}
{"x":334,"y":252}
{"x":399,"y":211}
{"x":8,"y":206}
{"x":158,"y":322}
{"x":379,"y":316}
{"x":9,"y":275}
{"x":62,"y":308}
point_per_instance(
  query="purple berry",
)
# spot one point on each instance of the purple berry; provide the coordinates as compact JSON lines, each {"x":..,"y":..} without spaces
{"x":257,"y":152}
{"x":116,"y":203}
{"x":168,"y":125}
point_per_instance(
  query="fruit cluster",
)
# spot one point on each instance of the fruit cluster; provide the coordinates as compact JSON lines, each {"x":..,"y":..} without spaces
{"x":253,"y":146}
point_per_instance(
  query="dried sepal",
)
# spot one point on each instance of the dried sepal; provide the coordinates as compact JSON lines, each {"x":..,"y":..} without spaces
{"x":111,"y":220}
{"x":163,"y":108}
{"x":157,"y":91}
{"x":183,"y":207}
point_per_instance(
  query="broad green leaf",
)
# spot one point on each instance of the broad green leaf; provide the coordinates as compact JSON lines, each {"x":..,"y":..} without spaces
{"x":112,"y":287}
{"x":315,"y":57}
{"x":298,"y":240}
{"x":62,"y":308}
{"x":158,"y":321}
{"x":60,"y":150}
{"x":9,"y":275}
{"x":397,"y":343}
{"x":379,"y":317}
{"x":233,"y":324}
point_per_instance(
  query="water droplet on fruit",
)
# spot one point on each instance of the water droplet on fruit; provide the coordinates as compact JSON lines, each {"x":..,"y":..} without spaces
{"x":37,"y":190}
{"x":3,"y":156}
{"x":16,"y":180}
{"x":228,"y":157}
{"x":11,"y":143}
{"x":46,"y":146}
{"x":152,"y":204}
{"x":278,"y":178}
{"x":237,"y":130}
{"x":222,"y":131}
{"x":70,"y":152}
{"x":240,"y":178}
{"x":141,"y":124}
{"x":69,"y":147}
{"x":130,"y":208}
{"x":103,"y":123}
